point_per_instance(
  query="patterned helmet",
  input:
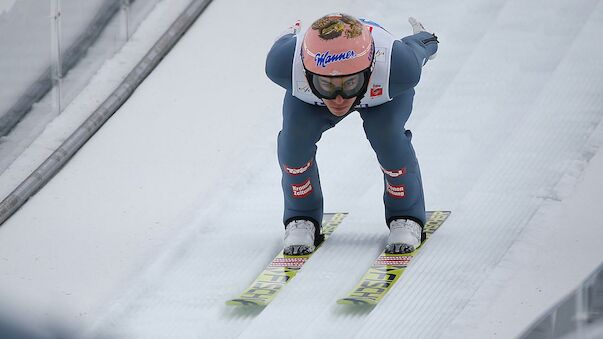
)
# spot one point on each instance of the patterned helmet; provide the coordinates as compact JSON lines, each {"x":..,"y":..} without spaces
{"x":337,"y":44}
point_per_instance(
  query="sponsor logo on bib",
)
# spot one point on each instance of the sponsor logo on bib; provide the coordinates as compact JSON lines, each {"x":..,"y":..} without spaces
{"x":376,"y":91}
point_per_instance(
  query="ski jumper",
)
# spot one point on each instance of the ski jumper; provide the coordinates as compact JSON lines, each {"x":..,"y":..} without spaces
{"x":384,"y":109}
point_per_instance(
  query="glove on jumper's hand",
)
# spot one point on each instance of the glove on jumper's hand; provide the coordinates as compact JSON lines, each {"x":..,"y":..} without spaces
{"x":418,"y":27}
{"x":293,"y":29}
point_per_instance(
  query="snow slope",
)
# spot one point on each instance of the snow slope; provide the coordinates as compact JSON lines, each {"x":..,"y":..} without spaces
{"x":174,"y":205}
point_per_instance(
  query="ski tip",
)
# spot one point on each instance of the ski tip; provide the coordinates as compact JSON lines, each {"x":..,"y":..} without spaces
{"x":245,"y":302}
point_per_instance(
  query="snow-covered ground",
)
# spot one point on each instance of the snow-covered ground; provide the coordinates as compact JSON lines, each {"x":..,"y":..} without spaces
{"x":6,"y":5}
{"x":174,"y":205}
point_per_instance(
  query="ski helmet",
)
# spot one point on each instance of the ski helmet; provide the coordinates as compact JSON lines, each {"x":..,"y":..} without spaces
{"x":335,"y":46}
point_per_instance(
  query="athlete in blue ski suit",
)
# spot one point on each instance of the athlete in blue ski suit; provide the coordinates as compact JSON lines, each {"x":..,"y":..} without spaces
{"x":304,"y":123}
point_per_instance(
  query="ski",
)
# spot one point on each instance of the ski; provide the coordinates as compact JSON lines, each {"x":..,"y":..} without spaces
{"x":281,"y":270}
{"x":388,"y":268}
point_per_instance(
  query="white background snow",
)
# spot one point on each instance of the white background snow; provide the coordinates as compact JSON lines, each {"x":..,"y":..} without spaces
{"x":6,"y":5}
{"x":174,"y":206}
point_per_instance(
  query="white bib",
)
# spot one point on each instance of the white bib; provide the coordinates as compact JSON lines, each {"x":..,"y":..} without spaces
{"x":377,"y":92}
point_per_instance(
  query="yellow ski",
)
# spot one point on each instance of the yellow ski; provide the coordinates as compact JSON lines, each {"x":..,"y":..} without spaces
{"x":388,"y":268}
{"x":281,"y":270}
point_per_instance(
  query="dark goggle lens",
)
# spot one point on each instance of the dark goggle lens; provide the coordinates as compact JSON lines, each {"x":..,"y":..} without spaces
{"x":347,"y":86}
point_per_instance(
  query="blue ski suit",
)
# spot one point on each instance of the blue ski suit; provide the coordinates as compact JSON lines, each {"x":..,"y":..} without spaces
{"x":304,"y":123}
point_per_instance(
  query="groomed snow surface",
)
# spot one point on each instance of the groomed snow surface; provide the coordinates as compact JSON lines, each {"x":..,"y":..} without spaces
{"x":174,"y":206}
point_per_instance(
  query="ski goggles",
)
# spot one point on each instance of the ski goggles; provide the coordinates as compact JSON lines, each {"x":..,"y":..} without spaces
{"x":348,"y":86}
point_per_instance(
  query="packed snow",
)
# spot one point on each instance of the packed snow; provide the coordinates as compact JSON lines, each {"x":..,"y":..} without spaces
{"x":175,"y":205}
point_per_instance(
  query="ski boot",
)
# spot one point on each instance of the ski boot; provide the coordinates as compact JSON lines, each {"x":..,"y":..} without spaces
{"x":404,"y":236}
{"x":299,"y":237}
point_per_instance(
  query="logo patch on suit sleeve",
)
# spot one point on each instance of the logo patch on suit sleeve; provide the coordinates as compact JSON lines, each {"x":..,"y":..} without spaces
{"x":302,"y":190}
{"x":395,"y":191}
{"x":298,"y":170}
{"x":394,"y":173}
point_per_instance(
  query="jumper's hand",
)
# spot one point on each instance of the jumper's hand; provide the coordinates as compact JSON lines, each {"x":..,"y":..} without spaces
{"x":417,"y":27}
{"x":296,"y":27}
